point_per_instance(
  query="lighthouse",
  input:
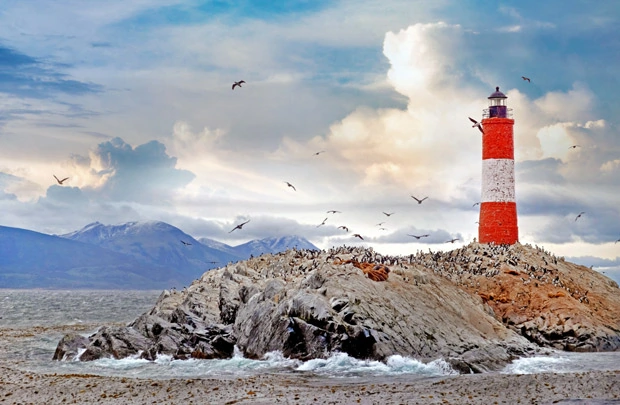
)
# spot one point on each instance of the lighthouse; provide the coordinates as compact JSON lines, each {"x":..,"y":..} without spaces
{"x":498,"y":207}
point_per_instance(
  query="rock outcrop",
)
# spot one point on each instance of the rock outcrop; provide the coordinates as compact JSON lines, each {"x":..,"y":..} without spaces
{"x":478,"y":307}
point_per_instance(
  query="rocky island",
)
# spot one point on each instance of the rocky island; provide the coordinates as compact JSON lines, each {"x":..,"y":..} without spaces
{"x":478,"y":307}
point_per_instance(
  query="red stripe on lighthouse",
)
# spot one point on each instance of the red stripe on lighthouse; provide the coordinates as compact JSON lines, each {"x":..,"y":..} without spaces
{"x":497,"y":140}
{"x":498,"y":209}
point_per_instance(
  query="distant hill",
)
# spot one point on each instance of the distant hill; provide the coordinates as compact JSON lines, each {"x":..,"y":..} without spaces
{"x":156,"y":243}
{"x":134,"y":255}
{"x":35,"y":260}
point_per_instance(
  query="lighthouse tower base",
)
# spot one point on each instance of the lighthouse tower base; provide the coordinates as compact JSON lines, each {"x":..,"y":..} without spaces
{"x":498,"y":223}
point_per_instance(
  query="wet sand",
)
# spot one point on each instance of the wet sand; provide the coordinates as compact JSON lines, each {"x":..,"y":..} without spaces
{"x":20,"y":387}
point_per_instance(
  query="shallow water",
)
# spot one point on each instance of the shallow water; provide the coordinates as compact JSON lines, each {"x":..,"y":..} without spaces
{"x":22,"y":310}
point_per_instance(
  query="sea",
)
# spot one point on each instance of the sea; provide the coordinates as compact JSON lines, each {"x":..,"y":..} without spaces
{"x":37,"y":317}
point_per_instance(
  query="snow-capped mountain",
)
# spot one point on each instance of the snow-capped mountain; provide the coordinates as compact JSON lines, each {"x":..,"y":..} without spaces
{"x":157,"y":243}
{"x":136,"y":255}
{"x":273,"y":245}
{"x":31,"y":259}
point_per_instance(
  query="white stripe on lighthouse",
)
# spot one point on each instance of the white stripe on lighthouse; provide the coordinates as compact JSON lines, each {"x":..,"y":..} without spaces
{"x":498,"y":180}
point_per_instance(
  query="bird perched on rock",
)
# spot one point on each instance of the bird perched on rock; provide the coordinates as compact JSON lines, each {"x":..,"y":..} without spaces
{"x":476,"y":124}
{"x":579,"y":215}
{"x":418,"y":200}
{"x":418,"y":236}
{"x":357,"y":235}
{"x":60,"y":181}
{"x":240,"y":226}
{"x":290,"y":185}
{"x":526,"y":78}
{"x":235,"y":84}
{"x":185,"y":243}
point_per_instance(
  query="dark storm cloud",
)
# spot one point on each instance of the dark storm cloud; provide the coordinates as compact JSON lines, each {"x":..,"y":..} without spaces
{"x":539,"y":171}
{"x":64,"y":195}
{"x":144,"y":174}
{"x":24,"y":76}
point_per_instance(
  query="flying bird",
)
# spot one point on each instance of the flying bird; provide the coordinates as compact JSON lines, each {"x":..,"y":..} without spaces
{"x":60,"y":181}
{"x":290,"y":185}
{"x":574,"y":146}
{"x":476,"y":204}
{"x":343,"y":227}
{"x":451,"y":240}
{"x":185,"y":243}
{"x":526,"y":78}
{"x":476,"y":124}
{"x":380,"y":223}
{"x":388,"y":214}
{"x":237,"y":84}
{"x":240,"y":226}
{"x":322,"y":223}
{"x":357,"y":235}
{"x":383,"y":229}
{"x":333,"y":212}
{"x":419,"y":201}
{"x":579,"y":216}
{"x":418,"y":236}
{"x":318,"y":153}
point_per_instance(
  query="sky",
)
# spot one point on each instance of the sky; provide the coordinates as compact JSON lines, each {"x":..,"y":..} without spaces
{"x":358,"y":104}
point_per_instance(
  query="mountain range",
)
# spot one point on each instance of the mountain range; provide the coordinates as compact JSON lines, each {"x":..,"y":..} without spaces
{"x":134,"y":255}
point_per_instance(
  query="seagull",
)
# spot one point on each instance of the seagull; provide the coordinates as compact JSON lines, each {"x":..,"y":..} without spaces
{"x":290,"y":185}
{"x":476,"y":124}
{"x":451,"y":240}
{"x":380,"y":223}
{"x":419,"y":201}
{"x":357,"y":235}
{"x":526,"y":78}
{"x":343,"y":227}
{"x":322,"y":223}
{"x":418,"y":237}
{"x":476,"y":204}
{"x":333,"y":212}
{"x":579,"y":216}
{"x":383,"y":229}
{"x":574,"y":146}
{"x":388,"y":214}
{"x":237,"y":84}
{"x":60,"y":181}
{"x":318,"y":153}
{"x":185,"y":243}
{"x":240,"y":226}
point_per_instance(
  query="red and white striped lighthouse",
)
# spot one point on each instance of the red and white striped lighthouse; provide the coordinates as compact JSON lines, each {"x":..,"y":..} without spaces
{"x":498,"y":207}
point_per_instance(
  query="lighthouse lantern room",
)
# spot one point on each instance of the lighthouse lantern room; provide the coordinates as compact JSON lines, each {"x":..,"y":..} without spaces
{"x":498,"y":207}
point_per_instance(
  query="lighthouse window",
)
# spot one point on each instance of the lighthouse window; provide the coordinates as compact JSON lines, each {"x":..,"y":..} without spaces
{"x":498,"y":101}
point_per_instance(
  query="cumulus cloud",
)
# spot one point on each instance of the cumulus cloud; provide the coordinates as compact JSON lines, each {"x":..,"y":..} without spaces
{"x":116,"y":171}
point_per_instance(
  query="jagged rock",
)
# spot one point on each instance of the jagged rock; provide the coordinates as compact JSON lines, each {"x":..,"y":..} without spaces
{"x":69,"y":346}
{"x":478,"y":307}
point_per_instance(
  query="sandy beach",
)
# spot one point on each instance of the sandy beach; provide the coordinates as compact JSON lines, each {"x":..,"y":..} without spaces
{"x":19,"y":387}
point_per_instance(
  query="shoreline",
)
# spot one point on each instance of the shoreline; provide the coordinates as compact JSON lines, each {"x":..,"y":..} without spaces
{"x":593,"y":387}
{"x":24,"y":387}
